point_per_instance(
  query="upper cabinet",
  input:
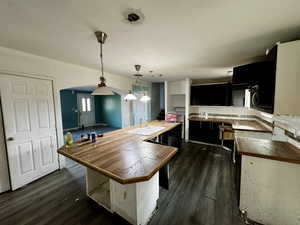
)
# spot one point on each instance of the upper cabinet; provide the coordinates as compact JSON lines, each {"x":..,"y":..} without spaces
{"x":177,"y":87}
{"x":287,"y":93}
{"x":211,"y":94}
{"x":259,"y":78}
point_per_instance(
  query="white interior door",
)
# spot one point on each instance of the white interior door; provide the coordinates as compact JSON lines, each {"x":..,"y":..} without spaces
{"x":29,"y":124}
{"x":86,"y":107}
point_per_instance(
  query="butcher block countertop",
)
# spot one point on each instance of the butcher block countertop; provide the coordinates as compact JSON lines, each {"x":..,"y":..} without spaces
{"x":244,"y":125}
{"x":276,"y":150}
{"x":124,"y":157}
{"x":249,"y":125}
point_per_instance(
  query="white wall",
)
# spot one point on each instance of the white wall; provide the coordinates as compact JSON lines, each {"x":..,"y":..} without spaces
{"x":64,"y":75}
{"x":67,"y":75}
{"x":287,"y":97}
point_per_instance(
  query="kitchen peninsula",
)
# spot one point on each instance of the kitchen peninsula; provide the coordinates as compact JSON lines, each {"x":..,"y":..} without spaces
{"x":122,"y":170}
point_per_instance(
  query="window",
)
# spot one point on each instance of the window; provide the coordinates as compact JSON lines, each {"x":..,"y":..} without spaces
{"x":83,"y":105}
{"x":88,"y":104}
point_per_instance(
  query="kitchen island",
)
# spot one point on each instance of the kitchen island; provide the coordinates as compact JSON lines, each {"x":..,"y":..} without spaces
{"x":122,"y":170}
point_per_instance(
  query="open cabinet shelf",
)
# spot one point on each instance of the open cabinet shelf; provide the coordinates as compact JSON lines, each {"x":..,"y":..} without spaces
{"x":98,"y":188}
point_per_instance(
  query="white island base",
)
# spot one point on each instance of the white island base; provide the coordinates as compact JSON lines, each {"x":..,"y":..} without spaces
{"x":134,"y":202}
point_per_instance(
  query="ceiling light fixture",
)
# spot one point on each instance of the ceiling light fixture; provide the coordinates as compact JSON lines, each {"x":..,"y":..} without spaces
{"x":130,"y":96}
{"x":145,"y":98}
{"x":102,"y":89}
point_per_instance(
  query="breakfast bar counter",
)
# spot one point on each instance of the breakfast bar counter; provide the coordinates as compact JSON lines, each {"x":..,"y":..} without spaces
{"x":122,"y":169}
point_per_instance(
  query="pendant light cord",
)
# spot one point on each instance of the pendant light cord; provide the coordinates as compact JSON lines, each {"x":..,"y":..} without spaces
{"x":101,"y":60}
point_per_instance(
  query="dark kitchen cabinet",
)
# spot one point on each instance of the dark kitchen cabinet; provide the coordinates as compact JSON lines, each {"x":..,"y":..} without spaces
{"x":169,"y":138}
{"x":213,"y":94}
{"x":207,"y":132}
{"x":260,"y":78}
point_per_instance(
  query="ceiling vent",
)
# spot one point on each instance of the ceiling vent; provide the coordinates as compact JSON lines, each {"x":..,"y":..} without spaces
{"x":133,"y":16}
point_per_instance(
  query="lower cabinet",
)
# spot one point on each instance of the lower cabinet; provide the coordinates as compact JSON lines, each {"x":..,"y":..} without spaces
{"x":171,"y":138}
{"x":270,"y":191}
{"x":207,"y":132}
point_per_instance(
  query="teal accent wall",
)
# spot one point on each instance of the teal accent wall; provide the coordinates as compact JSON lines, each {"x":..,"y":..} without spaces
{"x":108,"y":110}
{"x":68,"y":100}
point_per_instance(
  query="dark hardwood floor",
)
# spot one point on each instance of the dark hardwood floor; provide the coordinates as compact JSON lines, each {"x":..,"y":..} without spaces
{"x":201,"y":192}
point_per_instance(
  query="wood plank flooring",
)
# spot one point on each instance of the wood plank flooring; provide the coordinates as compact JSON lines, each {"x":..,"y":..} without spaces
{"x":201,"y":192}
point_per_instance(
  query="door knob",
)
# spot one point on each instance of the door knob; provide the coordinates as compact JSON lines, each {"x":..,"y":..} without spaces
{"x":10,"y":139}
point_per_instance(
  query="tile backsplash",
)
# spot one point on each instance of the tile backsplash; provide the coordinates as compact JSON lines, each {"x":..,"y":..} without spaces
{"x":232,"y":111}
{"x":285,"y":127}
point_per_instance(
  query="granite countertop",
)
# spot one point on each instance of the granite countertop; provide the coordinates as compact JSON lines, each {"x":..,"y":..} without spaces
{"x":268,"y":149}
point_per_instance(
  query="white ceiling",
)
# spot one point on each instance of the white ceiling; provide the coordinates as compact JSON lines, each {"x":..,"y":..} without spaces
{"x":191,"y":38}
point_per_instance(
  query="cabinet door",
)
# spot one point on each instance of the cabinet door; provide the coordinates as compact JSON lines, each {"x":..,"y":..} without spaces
{"x":194,"y":130}
{"x":207,"y":132}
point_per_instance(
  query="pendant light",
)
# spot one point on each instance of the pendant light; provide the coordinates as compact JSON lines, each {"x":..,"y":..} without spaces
{"x":102,"y":89}
{"x":131,"y":96}
{"x":145,"y":98}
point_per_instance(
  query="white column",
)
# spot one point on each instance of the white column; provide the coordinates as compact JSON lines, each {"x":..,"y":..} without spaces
{"x":166,"y":97}
{"x":187,"y":106}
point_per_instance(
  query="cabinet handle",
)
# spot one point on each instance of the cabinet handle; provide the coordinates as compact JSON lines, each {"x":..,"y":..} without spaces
{"x":10,"y":139}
